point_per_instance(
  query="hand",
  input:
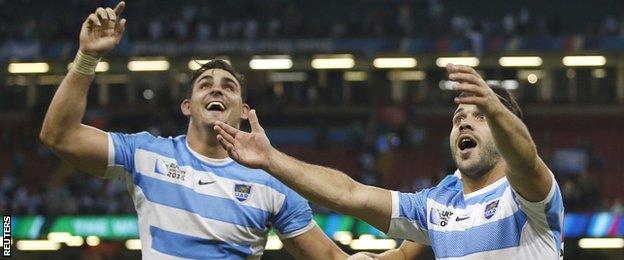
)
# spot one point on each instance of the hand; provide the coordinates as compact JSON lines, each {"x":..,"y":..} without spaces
{"x":249,"y":149}
{"x":101,"y":31}
{"x":363,"y":256}
{"x":470,"y":82}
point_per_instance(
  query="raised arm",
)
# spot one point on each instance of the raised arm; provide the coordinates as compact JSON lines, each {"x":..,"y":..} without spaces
{"x":62,"y":131}
{"x":322,"y":185}
{"x":526,"y":171}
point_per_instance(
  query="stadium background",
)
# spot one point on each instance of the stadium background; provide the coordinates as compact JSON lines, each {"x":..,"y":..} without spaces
{"x":385,"y":122}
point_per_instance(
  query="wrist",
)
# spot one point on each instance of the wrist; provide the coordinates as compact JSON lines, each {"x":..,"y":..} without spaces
{"x":85,"y":63}
{"x":90,"y":53}
{"x":272,"y":158}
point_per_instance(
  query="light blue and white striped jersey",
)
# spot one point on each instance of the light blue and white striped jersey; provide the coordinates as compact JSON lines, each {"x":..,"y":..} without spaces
{"x":492,"y":223}
{"x":191,"y":206}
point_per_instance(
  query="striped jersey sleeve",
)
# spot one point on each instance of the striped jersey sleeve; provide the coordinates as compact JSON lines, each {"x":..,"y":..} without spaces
{"x":546,"y":216}
{"x":121,"y":149}
{"x":409,"y":216}
{"x":294,"y":217}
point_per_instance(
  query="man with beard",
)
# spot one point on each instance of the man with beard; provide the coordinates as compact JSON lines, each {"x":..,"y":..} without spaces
{"x":192,"y":200}
{"x":502,"y":202}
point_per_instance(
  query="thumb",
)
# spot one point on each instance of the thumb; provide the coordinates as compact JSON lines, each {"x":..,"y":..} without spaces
{"x":253,"y":121}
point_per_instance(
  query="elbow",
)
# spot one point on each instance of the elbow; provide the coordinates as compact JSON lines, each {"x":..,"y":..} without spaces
{"x":46,"y":139}
{"x":49,"y":138}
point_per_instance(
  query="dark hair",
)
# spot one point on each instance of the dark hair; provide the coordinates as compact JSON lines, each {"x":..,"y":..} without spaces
{"x":506,"y":98}
{"x":218,"y":64}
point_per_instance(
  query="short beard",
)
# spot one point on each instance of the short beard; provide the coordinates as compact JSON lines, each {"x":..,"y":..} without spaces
{"x":488,"y":158}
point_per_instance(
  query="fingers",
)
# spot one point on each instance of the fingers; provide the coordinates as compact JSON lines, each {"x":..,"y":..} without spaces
{"x":452,"y":68}
{"x":466,"y":77}
{"x":119,"y":30}
{"x":101,"y":13}
{"x":470,"y":88}
{"x":227,"y":128}
{"x":472,"y":100}
{"x":228,"y":146}
{"x":253,"y":121}
{"x":111,"y":14}
{"x":119,"y":8}
{"x":226,"y":136}
{"x":92,"y":19}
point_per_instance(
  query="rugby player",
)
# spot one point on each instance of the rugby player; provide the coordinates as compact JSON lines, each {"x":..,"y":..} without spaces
{"x":502,"y":202}
{"x":192,"y":200}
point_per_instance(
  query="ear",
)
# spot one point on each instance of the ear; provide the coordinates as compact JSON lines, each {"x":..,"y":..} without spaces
{"x":245,"y":114}
{"x":185,"y":106}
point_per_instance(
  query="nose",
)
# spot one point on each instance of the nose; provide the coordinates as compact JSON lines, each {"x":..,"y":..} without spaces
{"x":216,"y":91}
{"x":465,"y":126}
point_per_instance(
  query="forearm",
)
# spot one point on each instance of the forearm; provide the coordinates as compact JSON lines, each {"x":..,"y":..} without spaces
{"x":67,"y":107}
{"x":333,"y":189}
{"x":319,"y":184}
{"x":513,"y":140}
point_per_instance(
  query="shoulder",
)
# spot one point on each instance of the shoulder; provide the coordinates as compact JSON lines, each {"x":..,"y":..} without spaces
{"x":446,"y":191}
{"x":165,"y":146}
{"x":452,"y":181}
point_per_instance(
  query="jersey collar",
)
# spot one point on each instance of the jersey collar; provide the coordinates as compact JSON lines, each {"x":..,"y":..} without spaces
{"x":206,"y":159}
{"x":483,"y":190}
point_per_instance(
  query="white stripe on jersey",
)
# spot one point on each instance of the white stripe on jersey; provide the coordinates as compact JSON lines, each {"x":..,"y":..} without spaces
{"x":474,"y":213}
{"x":263,"y":197}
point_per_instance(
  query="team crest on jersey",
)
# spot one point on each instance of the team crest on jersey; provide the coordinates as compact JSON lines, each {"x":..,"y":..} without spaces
{"x":242,"y":191}
{"x":490,"y":209}
{"x":439,"y":217}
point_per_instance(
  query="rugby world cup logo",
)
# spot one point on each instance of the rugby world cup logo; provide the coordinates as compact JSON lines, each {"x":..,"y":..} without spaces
{"x":490,"y":209}
{"x":439,"y":217}
{"x":242,"y":191}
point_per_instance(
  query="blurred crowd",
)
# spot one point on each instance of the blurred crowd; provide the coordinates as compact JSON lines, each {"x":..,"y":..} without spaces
{"x":193,"y":20}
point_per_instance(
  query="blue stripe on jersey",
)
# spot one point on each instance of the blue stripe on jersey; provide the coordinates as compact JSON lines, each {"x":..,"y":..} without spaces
{"x":415,"y":204}
{"x":166,"y":193}
{"x":294,"y":215}
{"x":554,"y":210}
{"x":490,"y":236}
{"x":124,"y":156}
{"x":185,"y":246}
{"x":448,"y":197}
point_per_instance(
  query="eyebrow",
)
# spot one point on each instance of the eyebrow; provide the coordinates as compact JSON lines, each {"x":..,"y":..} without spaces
{"x":204,"y":77}
{"x":457,"y":111}
{"x":228,"y":79}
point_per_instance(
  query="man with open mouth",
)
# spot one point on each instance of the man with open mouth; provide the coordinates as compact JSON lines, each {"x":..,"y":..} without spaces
{"x":502,"y":202}
{"x":192,"y":201}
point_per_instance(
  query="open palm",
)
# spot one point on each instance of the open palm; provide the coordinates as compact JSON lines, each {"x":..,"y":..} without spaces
{"x":249,"y":149}
{"x":102,"y":30}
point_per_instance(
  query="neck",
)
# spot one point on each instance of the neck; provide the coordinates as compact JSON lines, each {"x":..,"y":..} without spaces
{"x":475,"y":183}
{"x":203,"y":140}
